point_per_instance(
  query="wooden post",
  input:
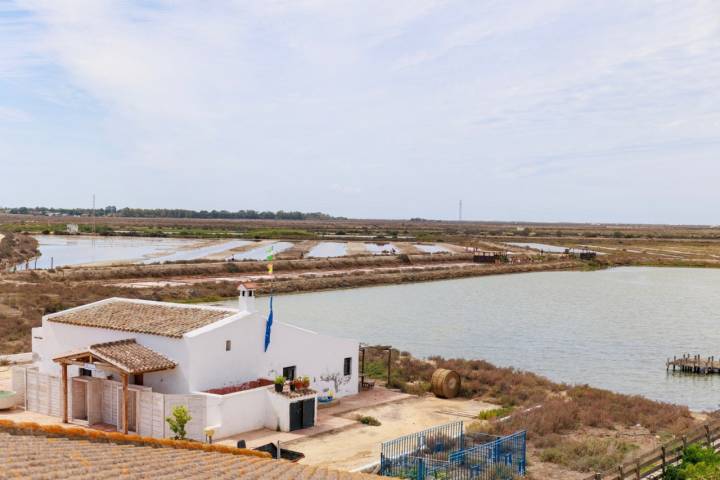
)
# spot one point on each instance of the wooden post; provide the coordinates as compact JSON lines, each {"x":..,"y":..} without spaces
{"x":664,"y":460}
{"x":621,"y":473}
{"x":125,"y":402}
{"x":637,"y":469}
{"x":707,"y":435}
{"x":65,"y":393}
{"x":362,"y":350}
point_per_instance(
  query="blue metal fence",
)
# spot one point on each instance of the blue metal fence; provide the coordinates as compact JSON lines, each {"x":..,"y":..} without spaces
{"x":446,"y":452}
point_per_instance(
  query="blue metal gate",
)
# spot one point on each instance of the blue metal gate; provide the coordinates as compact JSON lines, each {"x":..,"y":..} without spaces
{"x":447,"y":452}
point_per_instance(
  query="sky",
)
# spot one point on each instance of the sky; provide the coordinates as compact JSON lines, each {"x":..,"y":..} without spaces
{"x":586,"y":111}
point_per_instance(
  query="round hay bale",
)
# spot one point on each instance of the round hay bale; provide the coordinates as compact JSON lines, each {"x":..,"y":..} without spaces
{"x":445,"y":383}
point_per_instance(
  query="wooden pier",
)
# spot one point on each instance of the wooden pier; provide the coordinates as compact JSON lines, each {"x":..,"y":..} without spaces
{"x":694,"y":364}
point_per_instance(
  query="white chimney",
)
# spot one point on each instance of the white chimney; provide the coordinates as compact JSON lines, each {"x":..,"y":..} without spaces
{"x":246,"y":297}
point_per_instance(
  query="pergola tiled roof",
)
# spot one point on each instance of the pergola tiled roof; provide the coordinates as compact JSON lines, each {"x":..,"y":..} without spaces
{"x":127,"y":355}
{"x":155,"y":318}
{"x":37,"y":456}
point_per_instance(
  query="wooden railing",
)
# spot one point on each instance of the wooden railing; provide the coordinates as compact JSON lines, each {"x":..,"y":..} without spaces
{"x":653,"y":463}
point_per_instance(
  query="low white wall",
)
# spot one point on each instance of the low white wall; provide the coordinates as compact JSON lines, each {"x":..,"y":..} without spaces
{"x":241,"y":412}
{"x":238,"y":412}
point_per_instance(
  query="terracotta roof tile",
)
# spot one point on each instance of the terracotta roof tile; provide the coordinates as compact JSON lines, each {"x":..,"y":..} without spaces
{"x":37,"y":456}
{"x":157,"y":318}
{"x":131,"y":356}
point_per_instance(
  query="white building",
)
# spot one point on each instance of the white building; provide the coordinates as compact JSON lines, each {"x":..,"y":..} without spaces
{"x":138,"y":356}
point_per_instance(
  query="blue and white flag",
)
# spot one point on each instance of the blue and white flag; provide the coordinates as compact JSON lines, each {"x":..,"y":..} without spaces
{"x":268,"y":325}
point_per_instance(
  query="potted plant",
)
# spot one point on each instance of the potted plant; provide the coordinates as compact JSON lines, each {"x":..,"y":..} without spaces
{"x":306,"y":381}
{"x":299,"y":384}
{"x":279,"y":383}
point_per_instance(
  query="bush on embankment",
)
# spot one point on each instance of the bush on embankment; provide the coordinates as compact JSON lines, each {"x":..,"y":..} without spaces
{"x":543,"y":407}
{"x":223,"y":267}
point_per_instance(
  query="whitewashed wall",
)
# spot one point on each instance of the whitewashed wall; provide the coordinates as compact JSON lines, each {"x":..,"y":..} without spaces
{"x":53,"y":339}
{"x":314,"y":354}
{"x":197,"y":407}
{"x":211,"y":366}
{"x":280,"y":408}
{"x":250,"y":410}
{"x":239,"y":412}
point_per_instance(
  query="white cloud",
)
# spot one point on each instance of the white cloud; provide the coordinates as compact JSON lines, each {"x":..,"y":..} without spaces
{"x":395,"y":98}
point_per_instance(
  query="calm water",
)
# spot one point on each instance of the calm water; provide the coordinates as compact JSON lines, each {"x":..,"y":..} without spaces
{"x":550,"y":248}
{"x":328,"y":249}
{"x":195,"y":253}
{"x":431,"y":248}
{"x":261,"y":252}
{"x":77,"y":250}
{"x":380,"y":248}
{"x":612,"y":328}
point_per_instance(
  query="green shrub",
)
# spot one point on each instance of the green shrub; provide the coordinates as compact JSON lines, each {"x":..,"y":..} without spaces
{"x":368,"y":420}
{"x":698,"y":463}
{"x":495,"y":413}
{"x":180,"y":417}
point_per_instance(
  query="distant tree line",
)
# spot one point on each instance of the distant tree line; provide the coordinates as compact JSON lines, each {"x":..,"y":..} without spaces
{"x":111,"y":211}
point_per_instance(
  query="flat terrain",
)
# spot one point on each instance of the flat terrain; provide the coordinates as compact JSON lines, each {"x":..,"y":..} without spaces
{"x":25,"y":296}
{"x":352,"y":448}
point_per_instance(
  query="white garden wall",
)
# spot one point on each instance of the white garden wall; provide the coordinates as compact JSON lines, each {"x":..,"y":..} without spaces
{"x":239,"y":412}
{"x":44,"y":395}
{"x":250,"y":410}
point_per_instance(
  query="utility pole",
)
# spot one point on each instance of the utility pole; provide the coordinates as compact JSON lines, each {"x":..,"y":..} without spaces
{"x":93,"y":214}
{"x":460,"y":211}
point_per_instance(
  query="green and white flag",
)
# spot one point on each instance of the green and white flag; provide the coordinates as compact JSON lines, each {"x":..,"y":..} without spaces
{"x":270,"y":253}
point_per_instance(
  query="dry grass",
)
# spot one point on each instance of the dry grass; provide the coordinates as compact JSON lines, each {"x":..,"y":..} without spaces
{"x":589,"y":454}
{"x":15,"y":249}
{"x":566,"y":425}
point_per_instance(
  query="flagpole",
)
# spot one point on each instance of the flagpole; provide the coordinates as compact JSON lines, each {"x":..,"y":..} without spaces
{"x":268,"y":326}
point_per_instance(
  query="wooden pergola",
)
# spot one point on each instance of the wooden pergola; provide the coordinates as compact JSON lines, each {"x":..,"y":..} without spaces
{"x":387,"y":348}
{"x":125,"y":357}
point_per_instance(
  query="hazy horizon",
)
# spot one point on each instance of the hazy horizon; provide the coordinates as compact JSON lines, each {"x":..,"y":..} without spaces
{"x":560,"y":111}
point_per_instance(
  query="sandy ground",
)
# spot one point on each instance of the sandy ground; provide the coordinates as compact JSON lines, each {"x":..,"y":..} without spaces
{"x":328,"y":419}
{"x":180,"y":281}
{"x":359,"y":445}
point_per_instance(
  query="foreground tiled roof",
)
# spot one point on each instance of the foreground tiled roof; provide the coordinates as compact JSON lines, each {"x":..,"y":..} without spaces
{"x":155,"y":318}
{"x":37,"y":456}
